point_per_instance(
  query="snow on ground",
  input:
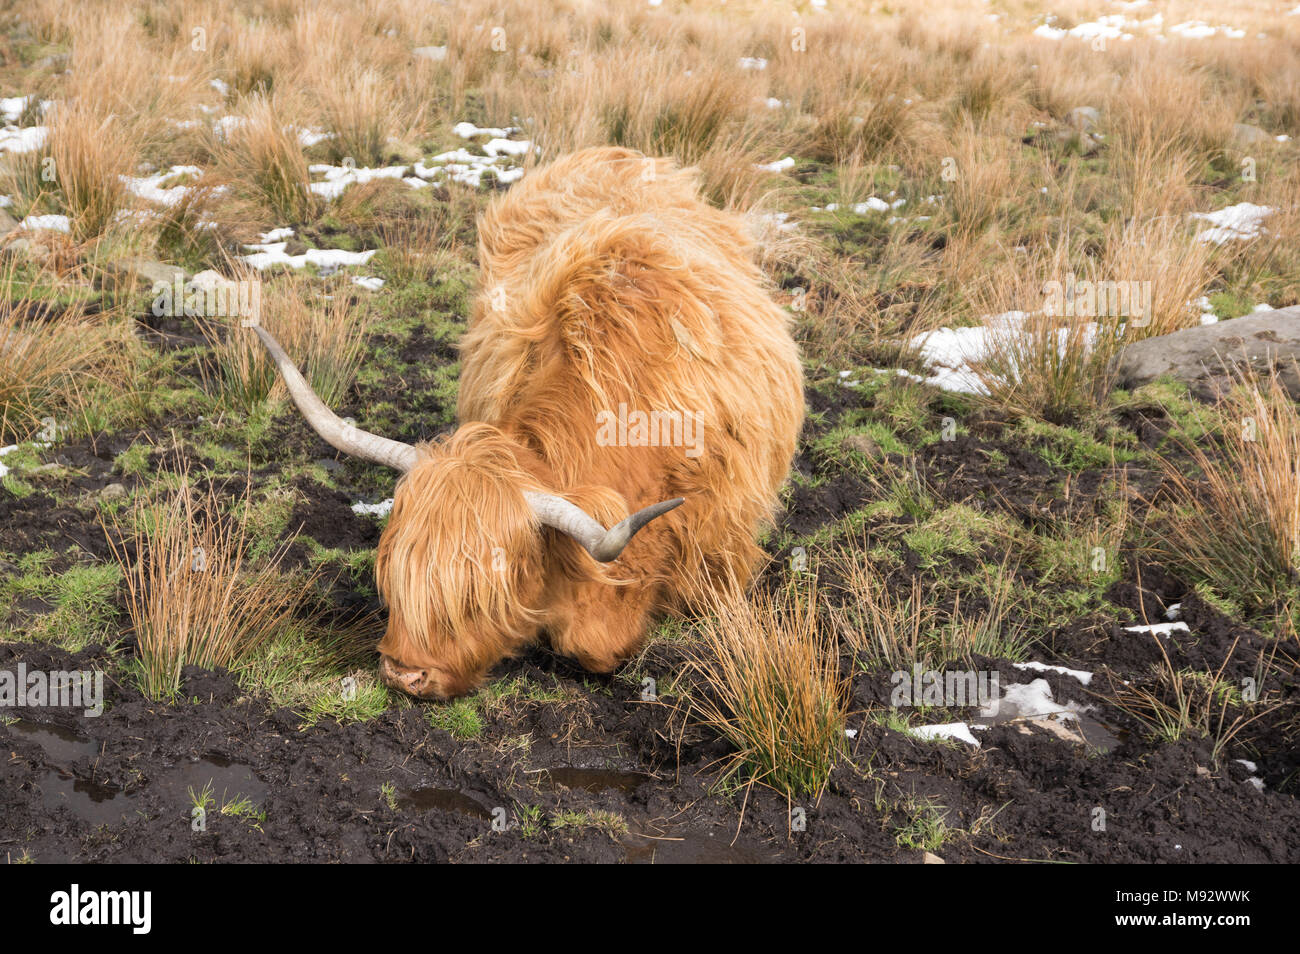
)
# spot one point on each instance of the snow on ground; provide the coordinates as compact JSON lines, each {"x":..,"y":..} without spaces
{"x":1159,"y":629}
{"x":271,"y":251}
{"x":949,"y":353}
{"x":1241,"y":221}
{"x":381,"y":509}
{"x":51,"y":223}
{"x":1079,"y":674}
{"x":949,"y":730}
{"x":1117,"y":26}
{"x":368,"y":282}
{"x":28,"y":139}
{"x":6,"y":450}
{"x":150,"y":187}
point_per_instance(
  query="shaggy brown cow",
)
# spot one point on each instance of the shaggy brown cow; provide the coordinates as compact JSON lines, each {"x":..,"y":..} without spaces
{"x":622,"y":351}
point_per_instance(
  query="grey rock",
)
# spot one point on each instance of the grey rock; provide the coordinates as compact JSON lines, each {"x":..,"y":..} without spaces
{"x":8,"y":223}
{"x":1203,"y":358}
{"x":1083,"y":118}
{"x":1245,"y":135}
{"x":113,"y":492}
{"x":132,"y":271}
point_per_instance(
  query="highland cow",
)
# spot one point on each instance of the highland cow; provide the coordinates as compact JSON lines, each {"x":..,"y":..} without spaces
{"x":615,"y":307}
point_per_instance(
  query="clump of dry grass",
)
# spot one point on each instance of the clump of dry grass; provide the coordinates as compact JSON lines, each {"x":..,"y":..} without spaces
{"x":358,"y":109}
{"x":324,"y":337}
{"x":893,"y":628}
{"x":262,"y":157}
{"x":46,"y":364}
{"x":774,"y":690}
{"x":193,"y":595}
{"x":78,"y":171}
{"x":1236,"y":525}
{"x":1176,"y":704}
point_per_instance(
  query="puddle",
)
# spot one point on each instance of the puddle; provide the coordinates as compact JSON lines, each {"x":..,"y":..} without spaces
{"x":443,"y":799}
{"x":100,"y":803}
{"x":596,"y":780}
{"x":686,"y":847}
{"x":1075,"y":726}
{"x":58,"y":743}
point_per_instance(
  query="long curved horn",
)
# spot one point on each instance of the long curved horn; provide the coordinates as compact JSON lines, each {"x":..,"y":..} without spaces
{"x":337,"y":432}
{"x":604,"y":545}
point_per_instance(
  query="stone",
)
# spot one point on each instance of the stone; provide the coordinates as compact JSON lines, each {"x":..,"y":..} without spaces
{"x":1245,"y":135}
{"x":113,"y":492}
{"x":1083,"y":118}
{"x":1202,"y":357}
{"x":124,"y":273}
{"x":1084,"y":142}
{"x":8,"y":223}
{"x":929,"y":858}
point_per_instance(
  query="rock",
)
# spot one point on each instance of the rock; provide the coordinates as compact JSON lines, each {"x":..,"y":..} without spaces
{"x":210,"y":279}
{"x":928,"y":858}
{"x":1073,"y":138}
{"x":1083,"y":118}
{"x":435,"y":53}
{"x":1245,"y":135}
{"x":1202,"y":772}
{"x":8,"y":223}
{"x":864,"y":445}
{"x":58,"y":62}
{"x":26,"y":248}
{"x":1197,"y":356}
{"x":126,"y":273}
{"x":113,"y":492}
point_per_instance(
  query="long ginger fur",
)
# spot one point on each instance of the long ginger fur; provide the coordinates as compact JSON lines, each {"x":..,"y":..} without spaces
{"x":606,"y":281}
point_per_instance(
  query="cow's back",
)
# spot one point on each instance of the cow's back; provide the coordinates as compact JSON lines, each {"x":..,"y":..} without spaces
{"x":610,"y":288}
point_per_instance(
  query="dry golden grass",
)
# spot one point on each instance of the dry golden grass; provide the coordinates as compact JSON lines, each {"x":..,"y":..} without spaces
{"x":324,"y":338}
{"x":774,"y":690}
{"x":193,"y":596}
{"x":47,"y":361}
{"x":263,"y":159}
{"x":1236,"y":524}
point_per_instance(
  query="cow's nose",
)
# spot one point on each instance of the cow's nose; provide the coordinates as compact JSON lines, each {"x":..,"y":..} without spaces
{"x":414,"y":682}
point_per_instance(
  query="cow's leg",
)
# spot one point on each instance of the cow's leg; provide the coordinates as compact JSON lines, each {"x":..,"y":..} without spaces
{"x":603,"y":625}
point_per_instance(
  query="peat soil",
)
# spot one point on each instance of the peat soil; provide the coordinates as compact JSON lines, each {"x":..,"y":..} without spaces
{"x":594,"y":769}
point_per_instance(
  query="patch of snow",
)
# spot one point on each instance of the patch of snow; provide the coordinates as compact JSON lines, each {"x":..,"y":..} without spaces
{"x":1251,"y":767}
{"x":1241,"y":221}
{"x":381,"y":509}
{"x":338,"y":178}
{"x":1173,"y":610}
{"x":780,"y":165}
{"x":267,"y":254}
{"x":28,"y":139}
{"x":370,"y":283}
{"x":1159,"y":629}
{"x":469,"y":131}
{"x":1079,"y":674}
{"x":947,"y":730}
{"x":150,"y":188}
{"x":52,"y":223}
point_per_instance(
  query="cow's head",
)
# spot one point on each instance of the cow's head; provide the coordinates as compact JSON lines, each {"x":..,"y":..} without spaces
{"x":461,"y":561}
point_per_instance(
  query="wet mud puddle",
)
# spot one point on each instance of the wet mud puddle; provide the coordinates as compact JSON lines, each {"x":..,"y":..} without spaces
{"x":70,"y":782}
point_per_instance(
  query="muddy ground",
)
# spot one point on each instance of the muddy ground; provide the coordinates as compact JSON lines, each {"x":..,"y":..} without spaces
{"x":589,"y":770}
